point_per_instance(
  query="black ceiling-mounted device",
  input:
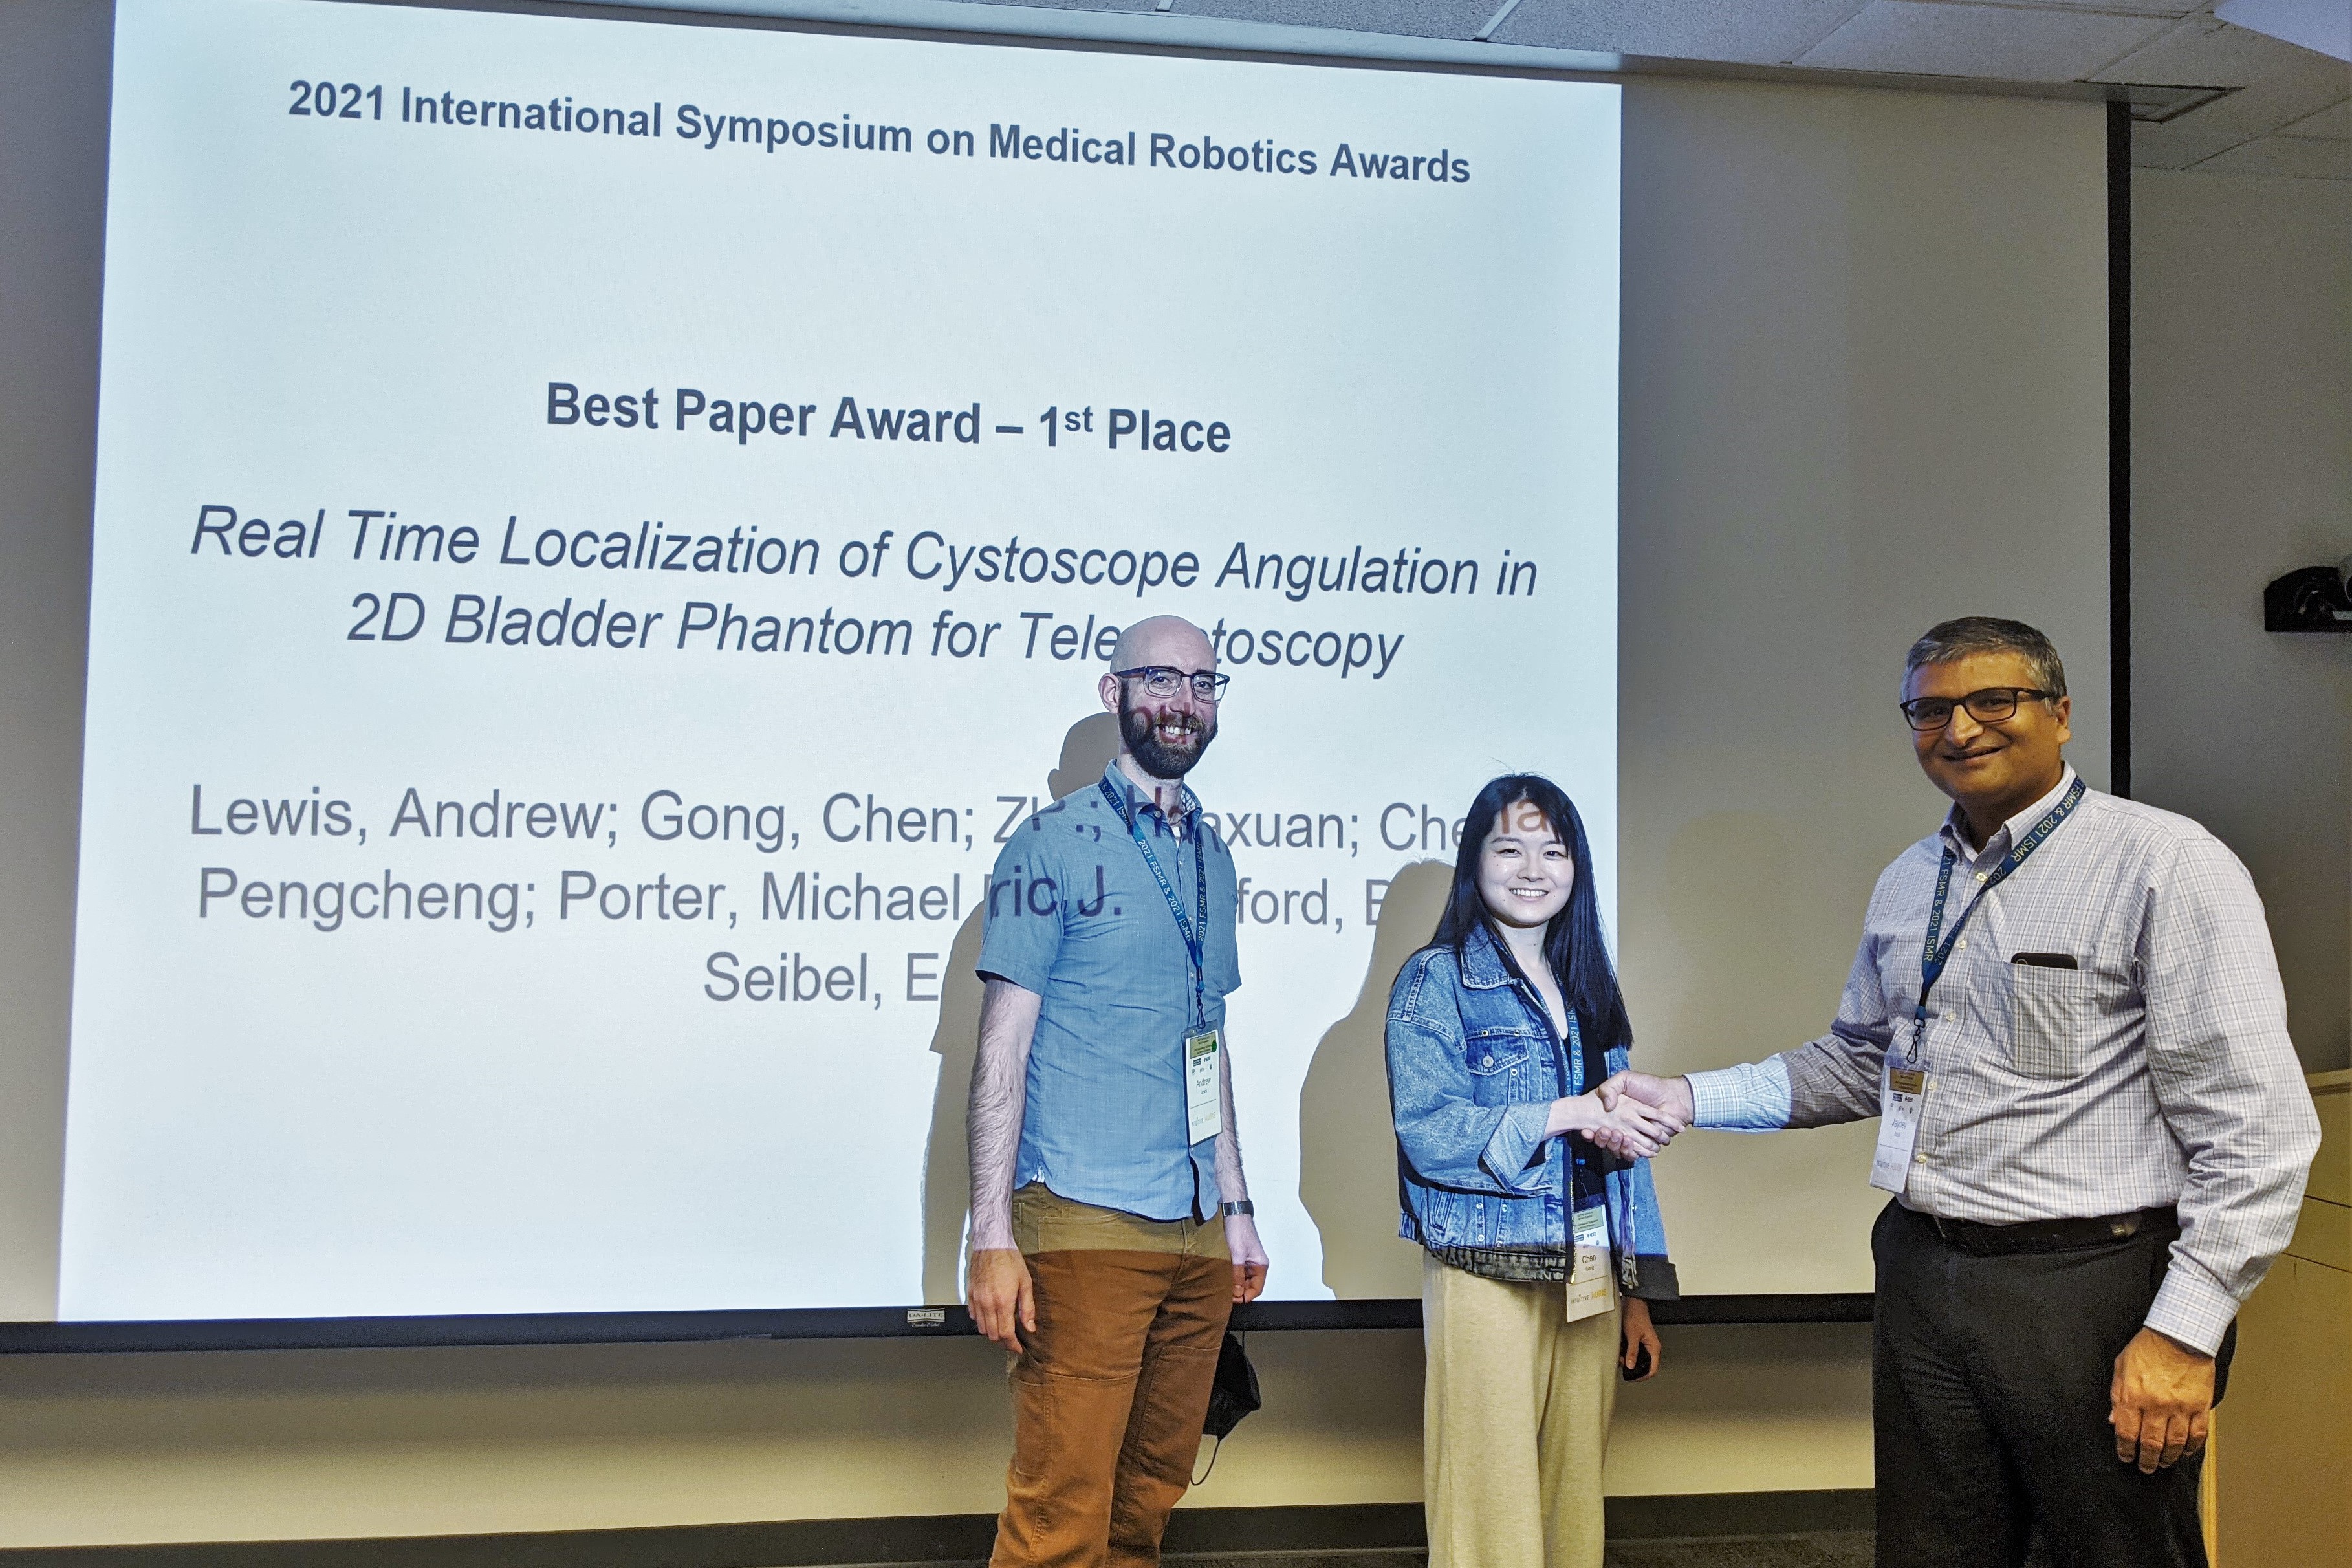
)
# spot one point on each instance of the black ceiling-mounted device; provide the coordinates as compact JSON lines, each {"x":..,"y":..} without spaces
{"x":2311,"y":599}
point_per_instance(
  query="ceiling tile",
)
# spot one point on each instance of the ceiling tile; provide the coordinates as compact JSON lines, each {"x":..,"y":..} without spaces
{"x":1943,"y":39}
{"x":2298,"y":157}
{"x":2322,"y":24}
{"x":2334,"y":124}
{"x":2170,"y":147}
{"x":1759,"y":32}
{"x":1411,"y":18}
{"x":2282,"y":83}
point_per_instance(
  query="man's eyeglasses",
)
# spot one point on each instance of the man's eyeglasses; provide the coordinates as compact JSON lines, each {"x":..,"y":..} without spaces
{"x":1162,"y":680}
{"x":1991,"y":705}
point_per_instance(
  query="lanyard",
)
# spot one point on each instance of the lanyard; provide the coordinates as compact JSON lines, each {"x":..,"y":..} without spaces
{"x":1571,"y":1068}
{"x":1580,"y":1167}
{"x":1935,"y":953}
{"x":1621,"y":1223}
{"x":1193,"y":934}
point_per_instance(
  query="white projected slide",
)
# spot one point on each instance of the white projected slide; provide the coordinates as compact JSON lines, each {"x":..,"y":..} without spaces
{"x":602,"y":529}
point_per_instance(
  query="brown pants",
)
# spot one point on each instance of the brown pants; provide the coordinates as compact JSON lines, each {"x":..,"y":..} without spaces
{"x":1109,"y":1394}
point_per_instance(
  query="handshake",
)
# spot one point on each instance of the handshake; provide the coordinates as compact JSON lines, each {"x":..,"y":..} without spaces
{"x":1633,"y":1115}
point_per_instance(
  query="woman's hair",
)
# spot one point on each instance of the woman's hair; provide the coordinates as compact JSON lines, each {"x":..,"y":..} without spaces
{"x":1572,"y":944}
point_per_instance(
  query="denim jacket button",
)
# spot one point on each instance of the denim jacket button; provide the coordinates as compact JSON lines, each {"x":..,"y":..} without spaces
{"x":1490,"y":1059}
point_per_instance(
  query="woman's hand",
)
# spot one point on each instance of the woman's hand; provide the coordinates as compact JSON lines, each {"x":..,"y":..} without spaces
{"x":1636,"y":1334}
{"x":1631,"y":1131}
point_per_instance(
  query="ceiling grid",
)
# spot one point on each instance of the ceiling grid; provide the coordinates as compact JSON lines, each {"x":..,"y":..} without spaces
{"x":2282,"y":110}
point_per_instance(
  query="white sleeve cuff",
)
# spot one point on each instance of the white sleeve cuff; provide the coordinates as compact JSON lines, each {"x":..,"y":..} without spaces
{"x":2192,"y":1309}
{"x":1751,"y":1098}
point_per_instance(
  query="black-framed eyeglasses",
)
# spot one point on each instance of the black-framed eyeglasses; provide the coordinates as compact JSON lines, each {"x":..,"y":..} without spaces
{"x":1165,"y":680}
{"x":1989,"y":706}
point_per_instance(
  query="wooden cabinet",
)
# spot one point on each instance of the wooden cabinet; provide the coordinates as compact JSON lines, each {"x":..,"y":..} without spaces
{"x":2279,"y":1479}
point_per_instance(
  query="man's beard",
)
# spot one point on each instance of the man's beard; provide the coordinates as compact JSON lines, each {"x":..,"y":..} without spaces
{"x":1159,"y":759}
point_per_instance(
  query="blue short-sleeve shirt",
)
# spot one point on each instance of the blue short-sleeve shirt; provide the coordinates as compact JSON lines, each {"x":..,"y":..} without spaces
{"x":1075,"y":915}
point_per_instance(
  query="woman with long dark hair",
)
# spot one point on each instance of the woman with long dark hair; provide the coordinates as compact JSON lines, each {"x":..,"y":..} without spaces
{"x":1532,"y":1201}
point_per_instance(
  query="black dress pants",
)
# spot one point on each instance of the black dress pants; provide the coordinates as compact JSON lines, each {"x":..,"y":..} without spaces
{"x":1989,"y":1385}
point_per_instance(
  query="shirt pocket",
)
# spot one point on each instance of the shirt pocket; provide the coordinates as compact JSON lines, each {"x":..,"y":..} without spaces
{"x":1499,"y":1062}
{"x":2048,"y":1016}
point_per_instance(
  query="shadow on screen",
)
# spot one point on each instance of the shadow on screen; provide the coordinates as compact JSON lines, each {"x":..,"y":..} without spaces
{"x":1347,"y":1141}
{"x":1086,"y":749}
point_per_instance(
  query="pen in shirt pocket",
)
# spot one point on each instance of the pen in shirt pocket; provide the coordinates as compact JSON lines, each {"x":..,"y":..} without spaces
{"x":2046,"y":960}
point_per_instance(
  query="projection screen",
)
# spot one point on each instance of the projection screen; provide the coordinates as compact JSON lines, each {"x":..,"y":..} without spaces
{"x":604,"y":529}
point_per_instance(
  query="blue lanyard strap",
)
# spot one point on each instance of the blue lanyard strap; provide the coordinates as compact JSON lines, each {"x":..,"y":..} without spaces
{"x":1583,"y":1177}
{"x":1193,"y":934}
{"x":1622,"y":1223}
{"x":1938,"y":949}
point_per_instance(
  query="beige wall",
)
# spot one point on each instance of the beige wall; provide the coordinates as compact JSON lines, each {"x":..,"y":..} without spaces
{"x":2241,"y":408}
{"x":53,"y":107}
{"x":294,"y":1444}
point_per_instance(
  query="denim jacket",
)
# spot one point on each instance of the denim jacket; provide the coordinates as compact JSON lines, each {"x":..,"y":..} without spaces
{"x":1473,"y":1066}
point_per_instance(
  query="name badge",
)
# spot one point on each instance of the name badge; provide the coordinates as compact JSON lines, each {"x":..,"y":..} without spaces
{"x":1589,"y":1290}
{"x":1902,"y":1096}
{"x":1203,"y":1117}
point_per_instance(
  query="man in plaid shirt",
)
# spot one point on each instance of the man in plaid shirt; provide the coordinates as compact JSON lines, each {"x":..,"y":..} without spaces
{"x":2094,"y":1125}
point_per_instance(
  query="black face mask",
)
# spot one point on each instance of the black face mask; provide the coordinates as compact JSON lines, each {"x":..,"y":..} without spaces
{"x":1232,"y":1394}
{"x":1161,"y":760}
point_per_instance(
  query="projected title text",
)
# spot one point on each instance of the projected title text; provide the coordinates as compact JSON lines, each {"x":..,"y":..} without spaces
{"x":692,"y":125}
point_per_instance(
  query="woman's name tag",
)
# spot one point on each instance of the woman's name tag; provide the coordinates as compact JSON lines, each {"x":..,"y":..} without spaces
{"x":1589,"y":1290}
{"x":1201,"y":1105}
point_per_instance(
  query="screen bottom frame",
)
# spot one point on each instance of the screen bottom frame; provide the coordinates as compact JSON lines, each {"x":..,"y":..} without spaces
{"x":87,"y":1336}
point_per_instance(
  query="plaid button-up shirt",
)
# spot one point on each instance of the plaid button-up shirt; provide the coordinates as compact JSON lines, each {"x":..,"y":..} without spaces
{"x":2155,"y":1072}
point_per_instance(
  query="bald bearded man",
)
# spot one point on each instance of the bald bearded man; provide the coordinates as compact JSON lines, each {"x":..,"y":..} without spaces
{"x":1111,"y":1227}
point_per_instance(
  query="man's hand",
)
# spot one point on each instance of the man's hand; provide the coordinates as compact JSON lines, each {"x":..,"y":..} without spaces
{"x":1003,"y":1301}
{"x":1629,"y":1128}
{"x":1249,"y":1258}
{"x":998,"y":1288}
{"x":2162,"y":1400}
{"x":1670,"y":1097}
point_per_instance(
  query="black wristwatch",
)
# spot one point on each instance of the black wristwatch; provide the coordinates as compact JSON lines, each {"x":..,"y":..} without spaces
{"x":1244,"y":1206}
